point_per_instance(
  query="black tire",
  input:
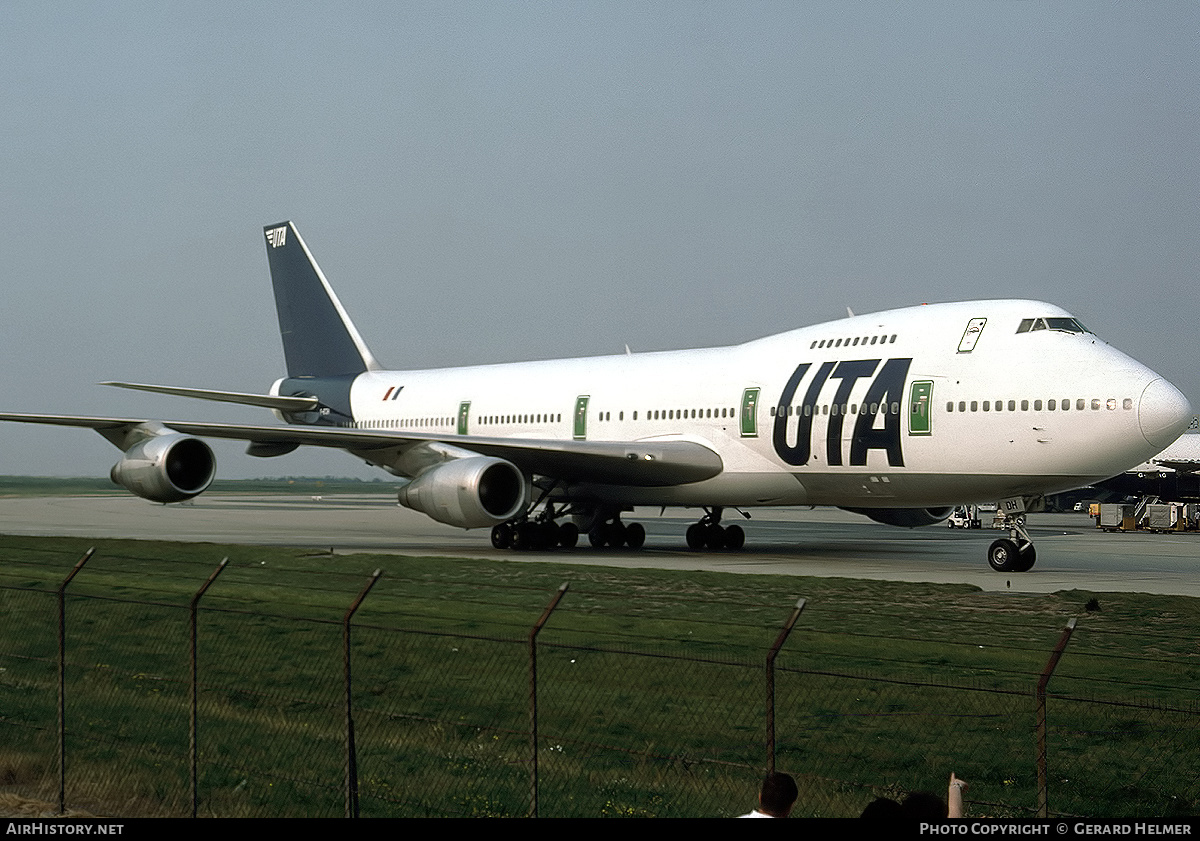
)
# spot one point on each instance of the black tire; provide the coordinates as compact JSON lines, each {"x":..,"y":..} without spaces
{"x":525,"y":537}
{"x":714,"y":536}
{"x":735,"y":538}
{"x":1026,"y":559}
{"x":695,"y":537}
{"x":616,"y":534}
{"x":598,"y":536}
{"x":1003,"y":555}
{"x":635,"y":535}
{"x":568,"y":535}
{"x":501,"y":536}
{"x":547,"y":536}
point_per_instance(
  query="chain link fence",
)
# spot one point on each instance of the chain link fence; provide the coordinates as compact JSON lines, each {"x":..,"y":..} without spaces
{"x":623,"y":716}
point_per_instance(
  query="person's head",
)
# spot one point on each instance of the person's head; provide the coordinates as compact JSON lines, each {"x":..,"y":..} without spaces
{"x":778,"y":795}
{"x":883,"y":809}
{"x":924,"y":806}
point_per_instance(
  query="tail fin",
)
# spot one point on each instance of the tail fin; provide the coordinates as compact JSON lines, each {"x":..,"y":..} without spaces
{"x":319,"y":340}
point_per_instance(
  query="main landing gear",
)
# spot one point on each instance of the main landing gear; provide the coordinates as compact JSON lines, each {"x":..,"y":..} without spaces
{"x":531,"y":535}
{"x":541,"y":532}
{"x":616,"y":534}
{"x":603,"y":527}
{"x":711,"y":534}
{"x":1014,"y":553}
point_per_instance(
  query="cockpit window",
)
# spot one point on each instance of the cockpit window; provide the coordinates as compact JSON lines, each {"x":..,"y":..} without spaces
{"x":1069,"y":325}
{"x":1066,"y":325}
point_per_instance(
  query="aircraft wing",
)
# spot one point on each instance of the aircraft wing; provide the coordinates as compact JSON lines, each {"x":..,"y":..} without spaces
{"x":1179,"y":465}
{"x":1183,"y":456}
{"x":652,"y":463}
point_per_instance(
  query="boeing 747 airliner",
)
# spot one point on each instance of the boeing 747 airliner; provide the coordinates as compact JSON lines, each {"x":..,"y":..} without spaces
{"x":897,"y":415}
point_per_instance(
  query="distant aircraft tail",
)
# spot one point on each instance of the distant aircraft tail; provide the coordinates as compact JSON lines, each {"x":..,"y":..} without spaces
{"x":319,"y":340}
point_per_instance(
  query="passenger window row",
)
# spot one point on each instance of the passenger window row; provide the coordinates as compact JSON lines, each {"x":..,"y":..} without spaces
{"x":536,"y":417}
{"x":856,"y":341}
{"x":410,"y":423}
{"x":543,"y":417}
{"x":836,"y":409}
{"x":671,"y":414}
{"x":1080,"y":404}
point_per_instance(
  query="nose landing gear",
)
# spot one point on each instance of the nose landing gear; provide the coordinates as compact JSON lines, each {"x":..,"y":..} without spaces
{"x":1014,"y":553}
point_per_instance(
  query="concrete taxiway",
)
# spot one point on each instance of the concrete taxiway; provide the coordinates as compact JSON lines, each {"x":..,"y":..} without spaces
{"x":1072,"y":554}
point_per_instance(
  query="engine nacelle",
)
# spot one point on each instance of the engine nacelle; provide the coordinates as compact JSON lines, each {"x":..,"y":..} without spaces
{"x":905,"y":517}
{"x":166,"y":468}
{"x":471,"y":493}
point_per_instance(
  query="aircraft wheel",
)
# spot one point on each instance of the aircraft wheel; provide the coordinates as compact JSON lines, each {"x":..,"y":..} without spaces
{"x":598,"y":536}
{"x":1003,"y":555}
{"x":547,"y":536}
{"x":616,"y":535}
{"x":635,"y":535}
{"x":714,"y":536}
{"x":525,"y":537}
{"x":568,"y":535}
{"x":695,"y":537}
{"x":735,"y":538}
{"x":502,"y":536}
{"x":1026,"y":559}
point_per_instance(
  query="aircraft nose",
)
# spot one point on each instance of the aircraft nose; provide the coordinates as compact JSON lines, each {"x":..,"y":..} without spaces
{"x":1163,"y":413}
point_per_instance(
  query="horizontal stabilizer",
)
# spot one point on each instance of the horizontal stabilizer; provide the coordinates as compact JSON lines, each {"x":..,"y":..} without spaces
{"x":265,"y":401}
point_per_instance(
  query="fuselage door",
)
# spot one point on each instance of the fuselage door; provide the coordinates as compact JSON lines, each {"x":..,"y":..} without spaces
{"x":464,"y":412}
{"x":581,"y":404}
{"x":920,"y":405}
{"x":971,"y":335}
{"x":750,"y":413}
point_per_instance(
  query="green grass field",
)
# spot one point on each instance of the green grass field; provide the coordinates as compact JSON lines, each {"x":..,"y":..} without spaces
{"x":651,"y":692}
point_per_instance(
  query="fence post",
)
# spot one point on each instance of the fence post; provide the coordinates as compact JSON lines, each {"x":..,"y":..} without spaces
{"x":351,"y":757}
{"x":1051,"y":664}
{"x":533,"y":707}
{"x":771,"y":655}
{"x":62,"y":680}
{"x":192,"y":744}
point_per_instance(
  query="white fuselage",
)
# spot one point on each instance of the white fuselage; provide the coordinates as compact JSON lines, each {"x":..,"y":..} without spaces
{"x":924,"y":406}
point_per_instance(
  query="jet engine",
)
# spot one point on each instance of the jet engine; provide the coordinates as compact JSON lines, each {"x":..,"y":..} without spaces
{"x":473,"y":492}
{"x":905,"y":517}
{"x":166,"y":468}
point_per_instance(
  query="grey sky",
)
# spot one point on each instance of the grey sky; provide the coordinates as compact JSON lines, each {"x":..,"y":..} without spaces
{"x":503,"y":181}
